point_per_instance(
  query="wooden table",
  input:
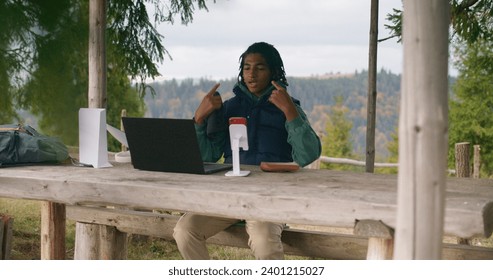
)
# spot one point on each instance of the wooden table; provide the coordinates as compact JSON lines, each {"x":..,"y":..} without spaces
{"x":310,"y":197}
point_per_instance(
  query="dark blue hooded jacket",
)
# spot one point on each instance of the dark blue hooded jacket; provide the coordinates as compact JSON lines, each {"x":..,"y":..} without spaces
{"x":267,"y":135}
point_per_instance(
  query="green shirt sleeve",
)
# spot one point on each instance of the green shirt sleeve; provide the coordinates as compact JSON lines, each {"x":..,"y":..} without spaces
{"x":211,"y":148}
{"x":303,"y":139}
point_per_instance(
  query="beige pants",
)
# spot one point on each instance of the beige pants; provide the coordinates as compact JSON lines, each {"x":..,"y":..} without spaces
{"x":193,"y":230}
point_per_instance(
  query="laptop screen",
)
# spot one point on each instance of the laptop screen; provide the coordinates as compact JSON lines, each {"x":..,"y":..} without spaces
{"x":158,"y":144}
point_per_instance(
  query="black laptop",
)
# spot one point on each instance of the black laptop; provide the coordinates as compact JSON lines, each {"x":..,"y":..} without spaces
{"x":168,"y":145}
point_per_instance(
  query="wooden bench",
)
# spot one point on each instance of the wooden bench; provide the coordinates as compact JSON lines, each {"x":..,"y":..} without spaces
{"x":371,"y":239}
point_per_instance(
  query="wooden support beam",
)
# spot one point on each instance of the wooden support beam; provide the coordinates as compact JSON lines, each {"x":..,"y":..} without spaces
{"x":99,"y":242}
{"x":86,"y":241}
{"x":1,"y":238}
{"x":52,"y":231}
{"x":380,"y":238}
{"x":6,"y":227}
{"x":90,"y":235}
{"x":371,"y":107}
{"x":423,"y":136}
{"x":97,"y":54}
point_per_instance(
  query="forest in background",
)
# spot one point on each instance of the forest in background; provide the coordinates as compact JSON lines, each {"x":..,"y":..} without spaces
{"x":179,"y":99}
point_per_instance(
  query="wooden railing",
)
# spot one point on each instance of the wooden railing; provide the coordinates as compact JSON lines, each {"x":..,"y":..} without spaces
{"x":462,"y":165}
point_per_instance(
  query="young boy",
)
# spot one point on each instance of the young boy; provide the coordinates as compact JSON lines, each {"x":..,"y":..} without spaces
{"x":278,"y":131}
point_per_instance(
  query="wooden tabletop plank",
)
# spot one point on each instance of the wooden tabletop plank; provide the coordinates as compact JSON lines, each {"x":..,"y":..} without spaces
{"x":311,"y":197}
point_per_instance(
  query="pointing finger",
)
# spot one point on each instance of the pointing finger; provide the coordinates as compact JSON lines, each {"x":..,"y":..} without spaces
{"x":213,"y":89}
{"x":276,"y":85}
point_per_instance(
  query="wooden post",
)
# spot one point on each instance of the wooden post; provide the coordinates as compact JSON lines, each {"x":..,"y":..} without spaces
{"x":97,"y":54}
{"x":380,"y":248}
{"x":99,"y":242}
{"x":462,"y":160}
{"x":423,"y":125}
{"x":477,"y":162}
{"x":372,"y":89}
{"x":462,"y":171}
{"x":6,"y":226}
{"x":86,"y":241}
{"x":113,"y":244}
{"x":380,"y":238}
{"x":52,"y":231}
{"x":123,"y":114}
{"x":1,"y":238}
{"x":97,"y":99}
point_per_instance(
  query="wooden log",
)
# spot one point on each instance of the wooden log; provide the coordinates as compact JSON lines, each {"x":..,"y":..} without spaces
{"x":113,"y":244}
{"x":423,"y":125}
{"x":488,"y":219}
{"x":99,"y":242}
{"x":380,"y":248}
{"x":371,"y":108}
{"x":372,"y":228}
{"x":123,"y":114}
{"x":477,"y":162}
{"x":6,"y":235}
{"x":354,"y":162}
{"x":462,"y":160}
{"x":380,"y":238}
{"x":52,"y":231}
{"x":462,"y":171}
{"x":97,"y":54}
{"x":86,"y":241}
{"x":466,"y":252}
{"x":1,"y":237}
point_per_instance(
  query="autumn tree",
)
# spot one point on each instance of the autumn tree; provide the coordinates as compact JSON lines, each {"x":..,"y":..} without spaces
{"x":337,"y":142}
{"x":393,"y":149}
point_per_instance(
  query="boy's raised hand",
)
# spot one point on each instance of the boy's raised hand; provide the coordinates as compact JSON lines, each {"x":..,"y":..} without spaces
{"x":280,"y":97}
{"x":210,"y":102}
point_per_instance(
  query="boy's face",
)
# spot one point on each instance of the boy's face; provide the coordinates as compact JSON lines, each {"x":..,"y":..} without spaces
{"x":256,"y":73}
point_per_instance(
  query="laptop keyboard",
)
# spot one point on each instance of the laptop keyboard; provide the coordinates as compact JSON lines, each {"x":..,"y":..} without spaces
{"x":211,"y":166}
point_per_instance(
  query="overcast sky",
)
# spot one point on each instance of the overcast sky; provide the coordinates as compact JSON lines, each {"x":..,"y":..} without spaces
{"x":314,"y":37}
